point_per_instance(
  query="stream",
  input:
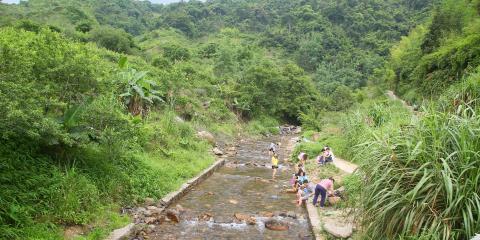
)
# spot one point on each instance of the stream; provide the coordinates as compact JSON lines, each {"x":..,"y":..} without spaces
{"x":242,"y":186}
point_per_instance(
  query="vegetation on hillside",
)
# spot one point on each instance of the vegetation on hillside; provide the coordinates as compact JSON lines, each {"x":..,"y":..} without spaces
{"x":437,"y":54}
{"x":101,"y":102}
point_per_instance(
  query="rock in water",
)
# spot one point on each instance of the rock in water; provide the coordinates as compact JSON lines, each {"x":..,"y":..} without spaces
{"x":291,"y":214}
{"x":217,"y":151}
{"x":276,"y":225}
{"x":173,"y":215}
{"x":248,"y":219}
{"x":205,"y":216}
{"x":233,"y":201}
{"x":338,"y":230}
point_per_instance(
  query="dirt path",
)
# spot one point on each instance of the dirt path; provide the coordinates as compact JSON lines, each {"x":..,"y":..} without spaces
{"x":345,"y":166}
{"x":390,"y":94}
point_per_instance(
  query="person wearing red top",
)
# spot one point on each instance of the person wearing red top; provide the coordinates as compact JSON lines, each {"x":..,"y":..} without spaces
{"x":323,"y":187}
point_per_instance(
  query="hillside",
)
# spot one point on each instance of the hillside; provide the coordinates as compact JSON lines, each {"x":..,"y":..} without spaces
{"x":102,"y":102}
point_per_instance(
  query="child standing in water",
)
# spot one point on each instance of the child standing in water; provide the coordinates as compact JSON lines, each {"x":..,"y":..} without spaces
{"x":274,"y":164}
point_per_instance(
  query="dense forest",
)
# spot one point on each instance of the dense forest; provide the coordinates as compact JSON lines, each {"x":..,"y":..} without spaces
{"x":101,"y":101}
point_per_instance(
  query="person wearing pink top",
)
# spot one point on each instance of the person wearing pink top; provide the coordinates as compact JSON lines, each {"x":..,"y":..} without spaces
{"x":323,"y":187}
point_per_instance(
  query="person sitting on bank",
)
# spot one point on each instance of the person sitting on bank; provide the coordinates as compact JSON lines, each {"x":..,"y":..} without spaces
{"x":323,"y":188}
{"x":326,"y":156}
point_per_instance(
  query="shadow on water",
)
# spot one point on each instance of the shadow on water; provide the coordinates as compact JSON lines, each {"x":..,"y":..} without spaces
{"x":242,"y":186}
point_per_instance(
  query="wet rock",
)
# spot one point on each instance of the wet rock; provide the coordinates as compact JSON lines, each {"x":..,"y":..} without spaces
{"x":276,"y":225}
{"x":338,"y":230}
{"x":173,"y":215}
{"x":233,"y":201}
{"x":282,"y":214}
{"x":217,"y":151}
{"x":291,"y":214}
{"x":152,"y":211}
{"x":266,"y":214}
{"x":206,"y":136}
{"x":232,"y":150}
{"x":248,"y":219}
{"x":205,"y":216}
{"x":150,"y":220}
{"x":251,"y":221}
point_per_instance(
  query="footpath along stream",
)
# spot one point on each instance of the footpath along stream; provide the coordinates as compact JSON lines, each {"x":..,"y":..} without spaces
{"x":239,"y":199}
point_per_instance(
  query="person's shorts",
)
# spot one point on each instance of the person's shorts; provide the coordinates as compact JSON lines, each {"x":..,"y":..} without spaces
{"x":274,"y":166}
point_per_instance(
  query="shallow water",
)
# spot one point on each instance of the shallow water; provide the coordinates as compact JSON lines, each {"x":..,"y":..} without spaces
{"x":245,"y":188}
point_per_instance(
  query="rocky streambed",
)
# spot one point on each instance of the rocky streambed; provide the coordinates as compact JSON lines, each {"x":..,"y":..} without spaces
{"x":239,"y":201}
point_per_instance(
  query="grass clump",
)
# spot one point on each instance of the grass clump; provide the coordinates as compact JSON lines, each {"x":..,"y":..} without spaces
{"x":423,"y":181}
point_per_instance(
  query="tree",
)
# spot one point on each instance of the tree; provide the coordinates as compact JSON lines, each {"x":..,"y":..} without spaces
{"x":113,"y":39}
{"x":139,"y":92}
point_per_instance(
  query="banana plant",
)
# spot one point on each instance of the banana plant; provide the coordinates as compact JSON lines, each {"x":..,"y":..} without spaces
{"x":139,"y":93}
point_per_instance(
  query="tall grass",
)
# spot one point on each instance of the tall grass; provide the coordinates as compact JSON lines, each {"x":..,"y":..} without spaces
{"x":423,"y":181}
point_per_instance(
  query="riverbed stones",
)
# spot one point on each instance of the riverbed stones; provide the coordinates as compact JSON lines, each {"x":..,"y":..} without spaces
{"x":276,"y":225}
{"x":217,"y":151}
{"x":244,"y":217}
{"x":205,"y":216}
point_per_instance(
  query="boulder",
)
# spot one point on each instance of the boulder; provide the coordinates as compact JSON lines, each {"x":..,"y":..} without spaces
{"x":206,"y":136}
{"x":217,"y":151}
{"x":248,"y":219}
{"x":173,"y":215}
{"x":276,"y":225}
{"x":334,"y":200}
{"x":338,"y":230}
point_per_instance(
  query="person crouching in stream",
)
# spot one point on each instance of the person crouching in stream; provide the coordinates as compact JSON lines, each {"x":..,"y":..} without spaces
{"x":323,"y":188}
{"x":304,"y":192}
{"x":274,"y":164}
